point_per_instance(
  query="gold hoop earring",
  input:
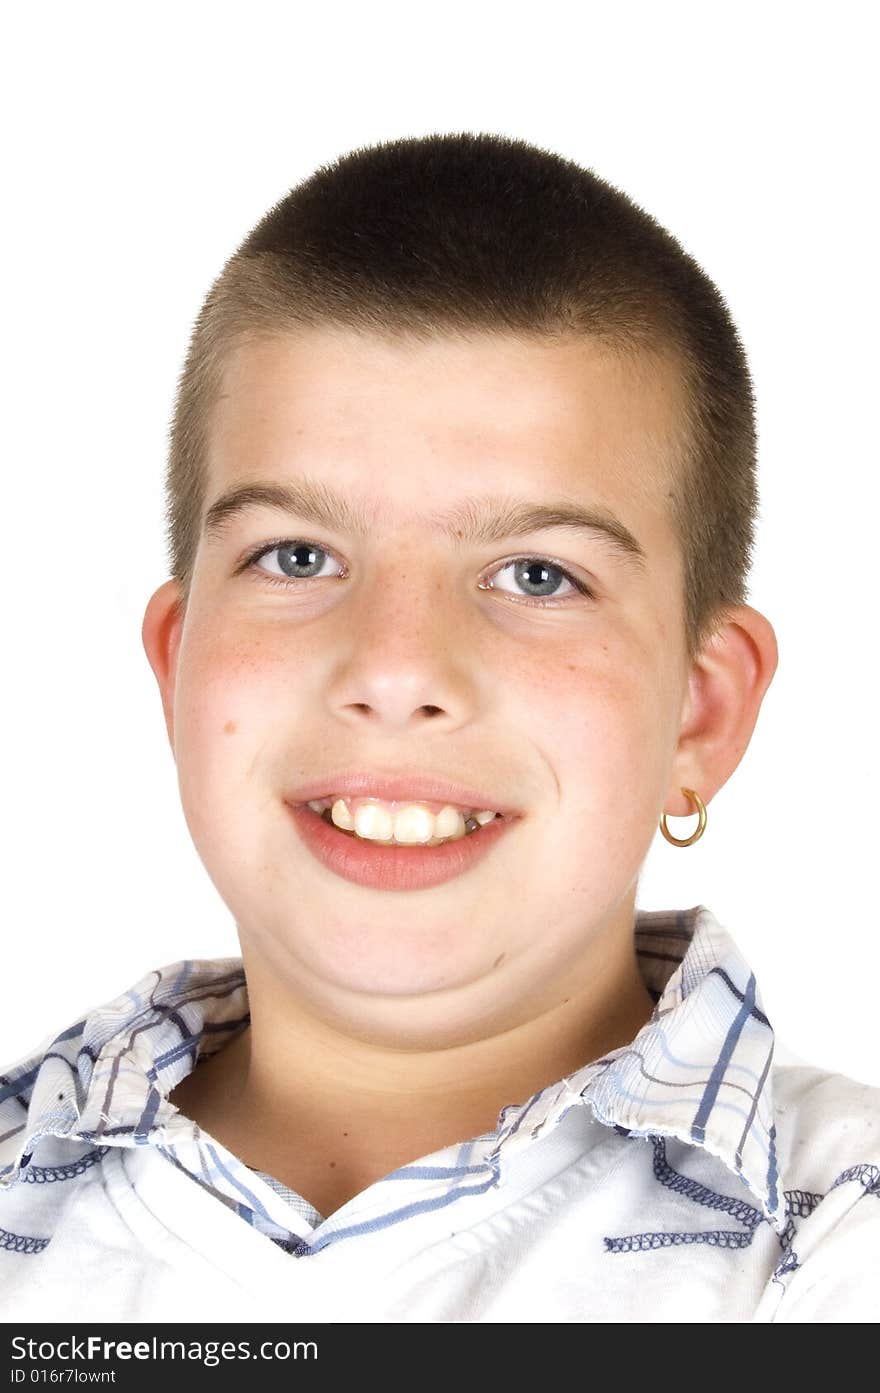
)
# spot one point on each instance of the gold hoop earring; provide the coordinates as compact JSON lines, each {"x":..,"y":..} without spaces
{"x":701,"y":826}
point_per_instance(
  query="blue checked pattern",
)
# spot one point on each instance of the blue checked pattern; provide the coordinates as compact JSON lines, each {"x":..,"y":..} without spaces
{"x":698,"y":1071}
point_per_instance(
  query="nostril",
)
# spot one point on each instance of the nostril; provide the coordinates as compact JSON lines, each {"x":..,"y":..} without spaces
{"x":432,"y":710}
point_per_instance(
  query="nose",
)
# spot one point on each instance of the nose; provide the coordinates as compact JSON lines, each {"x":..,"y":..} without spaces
{"x":403,"y":661}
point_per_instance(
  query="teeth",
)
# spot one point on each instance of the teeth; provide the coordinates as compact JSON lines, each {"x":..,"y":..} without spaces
{"x":373,"y":822}
{"x":341,"y":816}
{"x":410,"y":825}
{"x":414,"y":826}
{"x":449,"y":822}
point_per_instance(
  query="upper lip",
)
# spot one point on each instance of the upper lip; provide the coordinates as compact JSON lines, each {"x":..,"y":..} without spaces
{"x":402,"y":788}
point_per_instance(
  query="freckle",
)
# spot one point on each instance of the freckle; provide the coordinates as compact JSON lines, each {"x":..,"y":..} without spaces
{"x":499,"y":960}
{"x":332,"y":1165}
{"x":345,"y":1134}
{"x":229,"y":728}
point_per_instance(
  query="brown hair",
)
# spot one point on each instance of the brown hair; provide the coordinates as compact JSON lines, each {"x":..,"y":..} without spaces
{"x":461,"y":233}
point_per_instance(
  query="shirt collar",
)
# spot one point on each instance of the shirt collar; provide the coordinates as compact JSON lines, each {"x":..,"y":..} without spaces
{"x":699,"y":1070}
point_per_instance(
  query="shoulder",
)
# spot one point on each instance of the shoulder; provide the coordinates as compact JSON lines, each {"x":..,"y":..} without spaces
{"x":38,"y":1095}
{"x":828,"y":1138}
{"x":16,"y":1092}
{"x":826,"y":1123}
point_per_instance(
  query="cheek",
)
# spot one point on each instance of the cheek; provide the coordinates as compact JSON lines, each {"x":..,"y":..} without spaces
{"x":605,"y":731}
{"x":223,"y":678}
{"x":610,"y":760}
{"x":228,"y":693}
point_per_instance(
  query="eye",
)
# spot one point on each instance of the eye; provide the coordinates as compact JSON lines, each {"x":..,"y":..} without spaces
{"x":297,"y":560}
{"x":300,"y":560}
{"x":540,"y":576}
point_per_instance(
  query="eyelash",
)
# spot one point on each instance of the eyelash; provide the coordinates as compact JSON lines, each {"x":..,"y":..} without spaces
{"x":550,"y":602}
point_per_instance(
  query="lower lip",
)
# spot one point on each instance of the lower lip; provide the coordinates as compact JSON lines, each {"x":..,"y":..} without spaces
{"x":394,"y":867}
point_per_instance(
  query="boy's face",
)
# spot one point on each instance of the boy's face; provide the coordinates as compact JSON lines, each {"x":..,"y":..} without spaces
{"x":567,"y":711}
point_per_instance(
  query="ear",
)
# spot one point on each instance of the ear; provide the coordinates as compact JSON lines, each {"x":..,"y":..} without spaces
{"x":161,"y":634}
{"x":726,"y":686}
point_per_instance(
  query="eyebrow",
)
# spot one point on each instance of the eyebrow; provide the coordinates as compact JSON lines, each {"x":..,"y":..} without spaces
{"x":477,"y":521}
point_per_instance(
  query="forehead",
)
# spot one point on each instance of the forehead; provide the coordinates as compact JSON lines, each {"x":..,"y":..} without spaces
{"x":409,"y":426}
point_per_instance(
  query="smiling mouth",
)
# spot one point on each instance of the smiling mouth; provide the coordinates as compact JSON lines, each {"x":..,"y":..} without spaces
{"x":470,"y":825}
{"x":391,"y":865}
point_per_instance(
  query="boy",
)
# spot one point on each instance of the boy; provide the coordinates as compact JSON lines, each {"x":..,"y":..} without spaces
{"x":461,"y":501}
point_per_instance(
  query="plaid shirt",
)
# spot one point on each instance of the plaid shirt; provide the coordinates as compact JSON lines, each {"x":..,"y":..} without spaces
{"x":696,"y":1079}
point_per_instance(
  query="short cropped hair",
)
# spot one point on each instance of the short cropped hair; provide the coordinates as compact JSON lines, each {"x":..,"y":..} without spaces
{"x":459,"y":233}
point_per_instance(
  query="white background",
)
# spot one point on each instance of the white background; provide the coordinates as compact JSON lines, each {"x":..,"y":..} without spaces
{"x":141,"y":144}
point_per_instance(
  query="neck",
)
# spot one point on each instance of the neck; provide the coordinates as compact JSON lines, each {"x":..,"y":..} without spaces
{"x":328,"y":1113}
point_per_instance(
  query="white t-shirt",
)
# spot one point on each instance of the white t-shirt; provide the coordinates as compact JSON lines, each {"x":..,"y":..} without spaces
{"x":697,"y":1174}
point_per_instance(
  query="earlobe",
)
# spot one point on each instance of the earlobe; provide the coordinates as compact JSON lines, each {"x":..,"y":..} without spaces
{"x":161,"y":633}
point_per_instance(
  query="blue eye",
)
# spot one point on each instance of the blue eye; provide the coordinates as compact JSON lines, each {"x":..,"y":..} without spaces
{"x":540,"y":573}
{"x":300,"y":561}
{"x":297,"y":561}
